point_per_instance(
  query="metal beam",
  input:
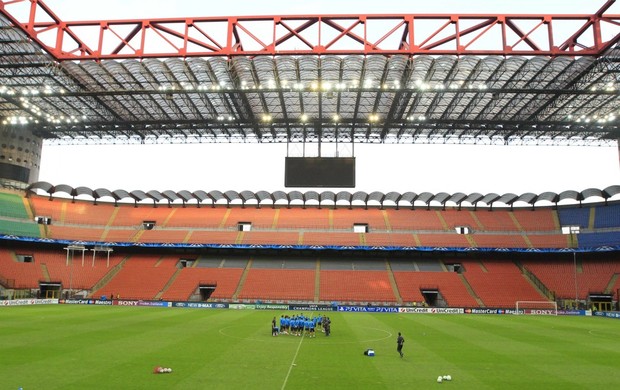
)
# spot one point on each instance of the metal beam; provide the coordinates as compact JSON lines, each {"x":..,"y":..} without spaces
{"x":506,"y":34}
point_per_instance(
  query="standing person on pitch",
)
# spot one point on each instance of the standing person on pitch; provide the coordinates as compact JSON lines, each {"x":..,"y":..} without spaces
{"x":399,"y":342}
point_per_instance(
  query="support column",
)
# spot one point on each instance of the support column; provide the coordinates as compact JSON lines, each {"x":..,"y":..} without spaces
{"x":20,"y":156}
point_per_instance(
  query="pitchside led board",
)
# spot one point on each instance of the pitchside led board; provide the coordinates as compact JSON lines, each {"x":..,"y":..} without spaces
{"x":319,"y":172}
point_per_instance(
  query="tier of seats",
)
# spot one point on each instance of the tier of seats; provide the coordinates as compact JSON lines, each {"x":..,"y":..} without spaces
{"x":270,"y":284}
{"x":500,"y":228}
{"x":499,"y":283}
{"x":141,"y":277}
{"x":572,"y":277}
{"x":496,"y":283}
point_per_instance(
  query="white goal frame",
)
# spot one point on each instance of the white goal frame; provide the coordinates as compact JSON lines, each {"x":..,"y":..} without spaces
{"x":552,"y":305}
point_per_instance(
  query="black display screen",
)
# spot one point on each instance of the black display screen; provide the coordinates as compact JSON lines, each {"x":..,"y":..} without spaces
{"x":319,"y":172}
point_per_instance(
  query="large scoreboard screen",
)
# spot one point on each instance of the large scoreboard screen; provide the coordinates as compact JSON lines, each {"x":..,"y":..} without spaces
{"x":319,"y":172}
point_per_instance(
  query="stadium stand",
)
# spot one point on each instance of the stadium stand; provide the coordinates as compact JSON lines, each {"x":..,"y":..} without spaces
{"x":192,"y":216}
{"x":538,"y":220}
{"x":141,"y":277}
{"x":448,"y":284}
{"x":496,"y":220}
{"x":574,"y":216}
{"x":264,"y":218}
{"x":309,"y":218}
{"x":12,"y":206}
{"x":572,"y":277}
{"x":406,"y":219}
{"x":19,"y":274}
{"x":356,"y":286}
{"x":344,"y":218}
{"x":74,"y":274}
{"x":278,"y":285}
{"x":323,"y":279}
{"x":499,"y":283}
{"x":607,"y":216}
{"x":598,"y":239}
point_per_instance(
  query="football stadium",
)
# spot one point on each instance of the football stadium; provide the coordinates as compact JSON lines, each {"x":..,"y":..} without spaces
{"x":312,"y":285}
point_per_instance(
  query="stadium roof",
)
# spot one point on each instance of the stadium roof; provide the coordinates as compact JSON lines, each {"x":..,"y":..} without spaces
{"x":327,"y":198}
{"x":490,"y":79}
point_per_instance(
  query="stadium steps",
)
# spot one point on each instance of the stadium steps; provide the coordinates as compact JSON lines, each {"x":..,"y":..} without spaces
{"x":136,"y":237}
{"x":556,"y":219}
{"x":534,"y":281}
{"x":474,"y":216}
{"x":244,"y":276}
{"x":444,"y":224}
{"x":63,"y":212}
{"x":160,"y":261}
{"x":276,"y":217}
{"x":45,"y":272}
{"x":470,"y":290}
{"x":515,"y":221}
{"x":527,"y":241}
{"x":225,"y":218}
{"x":399,"y":299}
{"x":317,"y":281}
{"x":109,"y":276}
{"x":169,"y":283}
{"x":612,"y":282}
{"x":386,"y":219}
{"x":113,"y":217}
{"x":170,"y":214}
{"x":592,"y":218}
{"x":28,"y":208}
{"x":471,"y":241}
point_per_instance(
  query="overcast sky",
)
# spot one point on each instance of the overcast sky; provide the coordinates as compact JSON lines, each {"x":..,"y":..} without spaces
{"x":418,"y":168}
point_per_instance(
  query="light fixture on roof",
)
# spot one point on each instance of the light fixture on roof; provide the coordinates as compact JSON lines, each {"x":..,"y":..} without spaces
{"x":336,"y":117}
{"x":373,"y":117}
{"x":303,"y":117}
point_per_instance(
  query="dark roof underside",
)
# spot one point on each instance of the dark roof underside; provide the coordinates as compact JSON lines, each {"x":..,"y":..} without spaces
{"x":368,"y":99}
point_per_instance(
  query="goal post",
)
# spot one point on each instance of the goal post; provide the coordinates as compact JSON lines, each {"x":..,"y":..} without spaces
{"x":540,"y":308}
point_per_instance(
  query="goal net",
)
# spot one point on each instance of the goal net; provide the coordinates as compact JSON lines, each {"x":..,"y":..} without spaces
{"x":537,"y":308}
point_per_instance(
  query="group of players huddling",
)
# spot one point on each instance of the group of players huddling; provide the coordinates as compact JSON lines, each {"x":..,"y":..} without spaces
{"x":300,"y":325}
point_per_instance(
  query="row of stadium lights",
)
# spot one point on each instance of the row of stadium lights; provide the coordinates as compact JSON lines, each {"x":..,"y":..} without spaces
{"x":314,"y":86}
{"x":267,"y":118}
{"x":322,"y":86}
{"x":35,"y":110}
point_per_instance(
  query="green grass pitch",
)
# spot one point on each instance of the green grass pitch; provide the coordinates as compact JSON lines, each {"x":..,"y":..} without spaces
{"x":92,"y":347}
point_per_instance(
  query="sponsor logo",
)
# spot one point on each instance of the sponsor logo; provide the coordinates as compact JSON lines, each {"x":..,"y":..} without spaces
{"x":414,"y":310}
{"x":241,"y":306}
{"x":608,"y":314}
{"x":486,"y":311}
{"x":271,"y":307}
{"x":310,"y":308}
{"x":104,"y":303}
{"x":127,"y":303}
{"x":368,"y":309}
{"x":22,"y":302}
{"x":78,"y":301}
{"x":541,"y":312}
{"x":450,"y":310}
